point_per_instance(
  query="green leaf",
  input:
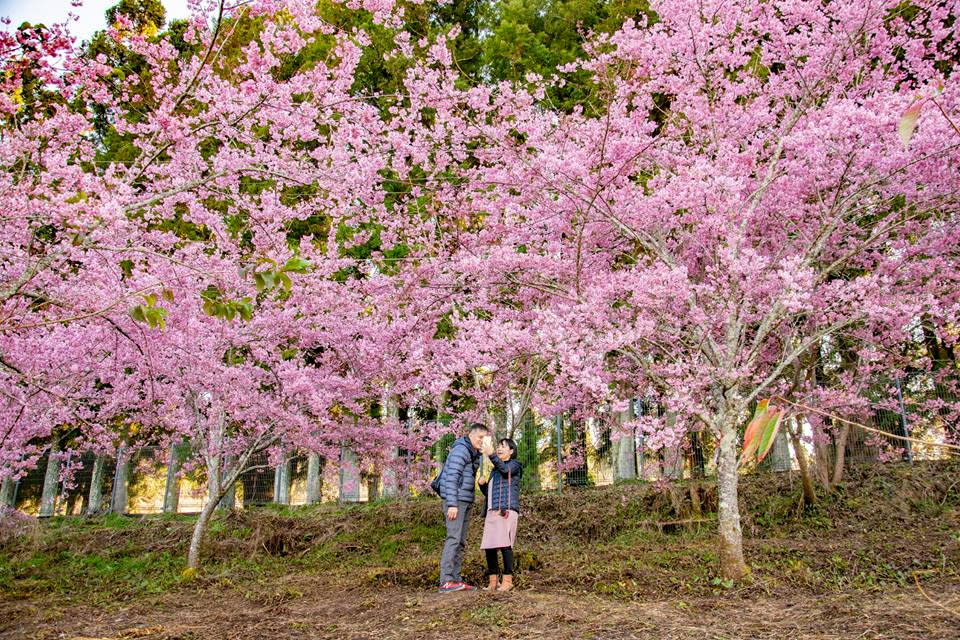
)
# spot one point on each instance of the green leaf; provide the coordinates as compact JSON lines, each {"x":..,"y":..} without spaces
{"x":167,"y":295}
{"x":285,"y":281}
{"x":269,"y":279}
{"x":246,"y":311}
{"x":137,"y":314}
{"x":151,"y":299}
{"x":210,"y":293}
{"x":296,"y":264}
{"x":156,"y":317}
{"x":258,"y":280}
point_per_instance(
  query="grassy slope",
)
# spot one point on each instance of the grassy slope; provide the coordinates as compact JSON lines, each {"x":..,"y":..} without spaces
{"x":884,"y":526}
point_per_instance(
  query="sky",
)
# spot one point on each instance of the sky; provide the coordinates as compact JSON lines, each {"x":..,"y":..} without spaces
{"x":91,"y":13}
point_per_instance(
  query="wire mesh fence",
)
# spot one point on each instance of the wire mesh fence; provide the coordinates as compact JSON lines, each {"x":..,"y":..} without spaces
{"x":557,"y":453}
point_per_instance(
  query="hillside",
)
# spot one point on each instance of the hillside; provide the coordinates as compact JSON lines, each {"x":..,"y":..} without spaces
{"x":613,"y":562}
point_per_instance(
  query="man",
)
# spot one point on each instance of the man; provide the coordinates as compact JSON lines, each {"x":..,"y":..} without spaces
{"x":457,"y":488}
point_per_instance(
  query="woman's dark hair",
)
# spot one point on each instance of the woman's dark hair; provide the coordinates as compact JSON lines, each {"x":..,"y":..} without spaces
{"x":510,"y":443}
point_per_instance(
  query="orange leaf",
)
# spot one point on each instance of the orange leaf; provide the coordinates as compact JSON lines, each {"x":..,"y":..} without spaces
{"x":769,"y":434}
{"x":751,"y":436}
{"x":908,"y":121}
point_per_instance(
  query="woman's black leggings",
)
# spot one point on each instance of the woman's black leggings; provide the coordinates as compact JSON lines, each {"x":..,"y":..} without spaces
{"x":492,"y":566}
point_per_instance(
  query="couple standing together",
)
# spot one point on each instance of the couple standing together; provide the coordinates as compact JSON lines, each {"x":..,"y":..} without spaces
{"x":502,"y":496}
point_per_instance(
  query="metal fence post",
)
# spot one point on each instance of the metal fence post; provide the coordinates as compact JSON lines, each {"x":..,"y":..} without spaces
{"x":313,"y":478}
{"x":51,"y":482}
{"x":171,"y":491}
{"x":121,"y":475}
{"x":281,"y":482}
{"x":640,"y":409}
{"x":349,"y":476}
{"x":559,"y":422}
{"x":6,"y":492}
{"x":903,"y":422}
{"x":62,"y":491}
{"x":95,"y":496}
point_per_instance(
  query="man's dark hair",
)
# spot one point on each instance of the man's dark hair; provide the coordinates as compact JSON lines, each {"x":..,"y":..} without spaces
{"x":476,"y":426}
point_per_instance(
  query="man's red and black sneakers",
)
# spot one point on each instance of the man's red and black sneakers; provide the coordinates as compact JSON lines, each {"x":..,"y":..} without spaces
{"x":449,"y":587}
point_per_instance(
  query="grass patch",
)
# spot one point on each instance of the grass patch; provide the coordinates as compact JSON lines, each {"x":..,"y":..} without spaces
{"x":95,"y":577}
{"x":490,"y":616}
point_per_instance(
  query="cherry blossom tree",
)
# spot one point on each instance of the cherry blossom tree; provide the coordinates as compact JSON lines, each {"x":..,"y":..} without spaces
{"x":191,"y":288}
{"x":742,"y":197}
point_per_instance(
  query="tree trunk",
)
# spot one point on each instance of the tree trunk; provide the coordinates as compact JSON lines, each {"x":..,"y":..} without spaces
{"x":695,"y":505}
{"x":216,"y":488}
{"x":218,"y":485}
{"x":839,"y":455}
{"x":821,"y":462}
{"x":809,"y":493}
{"x":732,"y":564}
{"x":199,"y":529}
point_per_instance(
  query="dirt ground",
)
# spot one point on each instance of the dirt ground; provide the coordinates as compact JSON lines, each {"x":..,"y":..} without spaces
{"x":302,"y":608}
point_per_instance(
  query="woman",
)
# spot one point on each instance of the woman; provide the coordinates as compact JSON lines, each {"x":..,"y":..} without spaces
{"x":503,"y":508}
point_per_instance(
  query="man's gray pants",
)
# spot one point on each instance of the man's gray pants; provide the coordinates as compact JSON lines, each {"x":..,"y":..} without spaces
{"x":451,"y":560}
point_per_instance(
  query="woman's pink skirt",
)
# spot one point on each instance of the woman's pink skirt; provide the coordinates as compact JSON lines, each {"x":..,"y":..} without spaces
{"x":499,"y":531}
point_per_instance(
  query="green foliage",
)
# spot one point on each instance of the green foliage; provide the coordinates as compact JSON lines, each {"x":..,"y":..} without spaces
{"x":147,"y":15}
{"x":527,"y":453}
{"x":214,"y":304}
{"x":274,"y":276}
{"x":538,"y":36}
{"x":149,"y":313}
